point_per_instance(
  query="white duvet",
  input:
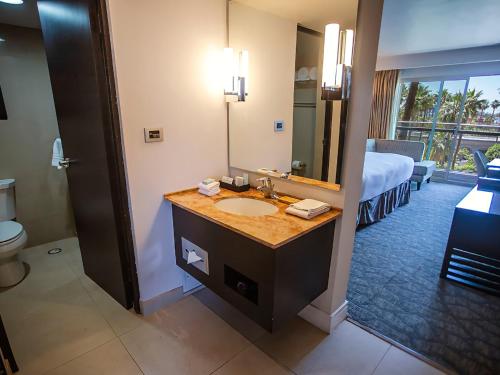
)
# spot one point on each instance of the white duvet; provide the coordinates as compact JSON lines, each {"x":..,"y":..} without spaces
{"x":384,"y":171}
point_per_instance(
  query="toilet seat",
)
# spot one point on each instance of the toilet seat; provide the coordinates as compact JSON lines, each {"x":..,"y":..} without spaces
{"x":10,"y":231}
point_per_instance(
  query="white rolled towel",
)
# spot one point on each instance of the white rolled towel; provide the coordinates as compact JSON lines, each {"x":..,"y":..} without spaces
{"x":297,"y":164}
{"x":303,"y":74}
{"x":57,"y":153}
{"x":313,"y":73}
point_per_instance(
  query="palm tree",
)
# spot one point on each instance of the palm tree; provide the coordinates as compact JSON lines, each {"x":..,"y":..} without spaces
{"x":473,"y":103}
{"x":424,"y":102}
{"x":494,"y":105}
{"x":450,"y":106}
{"x":483,"y":106}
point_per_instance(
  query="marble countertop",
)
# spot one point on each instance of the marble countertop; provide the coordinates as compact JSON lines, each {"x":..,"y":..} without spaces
{"x":271,"y":230}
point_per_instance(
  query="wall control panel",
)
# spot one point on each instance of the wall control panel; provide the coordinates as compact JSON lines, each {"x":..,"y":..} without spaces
{"x":194,"y":255}
{"x":153,"y":135}
{"x":279,"y":126}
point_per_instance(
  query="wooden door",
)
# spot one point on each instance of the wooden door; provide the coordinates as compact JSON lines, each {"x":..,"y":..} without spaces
{"x":76,"y":43}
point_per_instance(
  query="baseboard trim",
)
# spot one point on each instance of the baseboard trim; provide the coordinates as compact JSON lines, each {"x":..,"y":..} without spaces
{"x":158,"y":302}
{"x":322,"y":320}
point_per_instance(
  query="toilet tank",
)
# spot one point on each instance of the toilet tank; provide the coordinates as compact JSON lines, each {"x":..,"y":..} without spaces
{"x":7,"y":200}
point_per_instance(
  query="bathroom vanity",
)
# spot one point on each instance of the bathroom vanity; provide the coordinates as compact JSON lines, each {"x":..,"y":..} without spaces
{"x":268,"y":266}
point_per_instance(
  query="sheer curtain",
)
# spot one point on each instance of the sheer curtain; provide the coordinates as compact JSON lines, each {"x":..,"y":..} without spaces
{"x":384,"y":90}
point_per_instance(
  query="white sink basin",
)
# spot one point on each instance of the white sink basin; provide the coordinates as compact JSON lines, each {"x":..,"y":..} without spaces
{"x":246,"y":207}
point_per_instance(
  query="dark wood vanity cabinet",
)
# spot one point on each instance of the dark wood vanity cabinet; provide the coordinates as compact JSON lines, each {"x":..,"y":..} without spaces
{"x":269,"y":285}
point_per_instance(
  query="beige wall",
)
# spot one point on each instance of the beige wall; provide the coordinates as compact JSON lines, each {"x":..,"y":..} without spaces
{"x":270,"y":41}
{"x":167,"y":60}
{"x":163,"y":79}
{"x":26,"y":137}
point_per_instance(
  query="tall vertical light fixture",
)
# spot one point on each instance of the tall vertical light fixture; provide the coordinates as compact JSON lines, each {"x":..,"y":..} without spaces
{"x":337,"y":62}
{"x":243,"y":76}
{"x":330,"y":56}
{"x":235,"y":75}
{"x":229,"y":75}
{"x":335,"y":85}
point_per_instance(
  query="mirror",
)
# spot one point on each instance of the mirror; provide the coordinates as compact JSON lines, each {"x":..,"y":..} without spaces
{"x":282,"y":121}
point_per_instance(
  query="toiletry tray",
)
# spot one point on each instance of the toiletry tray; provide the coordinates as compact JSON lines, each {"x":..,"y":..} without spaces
{"x":238,"y":189}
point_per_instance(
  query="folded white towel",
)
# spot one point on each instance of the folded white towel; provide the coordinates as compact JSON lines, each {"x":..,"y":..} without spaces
{"x":209,"y":187}
{"x":306,"y":214}
{"x":311,"y":205}
{"x":57,"y":153}
{"x":210,"y":193}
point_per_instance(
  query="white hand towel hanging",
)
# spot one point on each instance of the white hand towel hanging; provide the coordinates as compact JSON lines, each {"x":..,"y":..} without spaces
{"x":57,"y":153}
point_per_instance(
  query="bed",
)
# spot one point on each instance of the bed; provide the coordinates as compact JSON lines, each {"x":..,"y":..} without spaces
{"x":386,"y":185}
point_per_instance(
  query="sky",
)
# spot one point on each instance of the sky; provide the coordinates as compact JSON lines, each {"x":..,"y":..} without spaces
{"x":488,"y":84}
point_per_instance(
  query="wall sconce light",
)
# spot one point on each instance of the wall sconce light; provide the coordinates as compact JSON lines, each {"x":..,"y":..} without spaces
{"x":335,"y":85}
{"x":337,"y":62}
{"x":235,"y":75}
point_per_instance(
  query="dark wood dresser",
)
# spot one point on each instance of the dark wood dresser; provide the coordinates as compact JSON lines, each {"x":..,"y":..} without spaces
{"x":473,"y":252}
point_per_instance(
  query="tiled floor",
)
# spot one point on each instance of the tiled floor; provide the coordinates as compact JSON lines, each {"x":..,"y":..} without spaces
{"x":60,"y":322}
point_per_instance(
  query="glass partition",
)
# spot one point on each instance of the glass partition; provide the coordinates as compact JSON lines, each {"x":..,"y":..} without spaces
{"x":419,"y":101}
{"x":452,"y":124}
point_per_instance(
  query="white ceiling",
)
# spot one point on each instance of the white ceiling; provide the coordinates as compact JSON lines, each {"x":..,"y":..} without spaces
{"x":408,"y":26}
{"x":314,"y":14}
{"x":25,"y":14}
{"x":418,"y":26}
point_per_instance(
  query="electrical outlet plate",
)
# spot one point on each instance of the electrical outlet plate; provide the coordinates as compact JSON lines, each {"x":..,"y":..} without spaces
{"x":188,"y":246}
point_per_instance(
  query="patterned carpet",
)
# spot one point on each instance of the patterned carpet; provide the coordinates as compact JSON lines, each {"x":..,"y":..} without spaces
{"x":395,"y":287}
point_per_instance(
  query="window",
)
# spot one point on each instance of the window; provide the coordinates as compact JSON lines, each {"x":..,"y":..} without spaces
{"x":454,"y":118}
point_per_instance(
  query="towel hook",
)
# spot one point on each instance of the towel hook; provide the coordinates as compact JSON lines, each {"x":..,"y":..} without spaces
{"x":66,"y":162}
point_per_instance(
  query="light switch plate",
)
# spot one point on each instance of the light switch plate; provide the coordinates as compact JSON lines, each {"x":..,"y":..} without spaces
{"x":279,"y":126}
{"x":153,"y":135}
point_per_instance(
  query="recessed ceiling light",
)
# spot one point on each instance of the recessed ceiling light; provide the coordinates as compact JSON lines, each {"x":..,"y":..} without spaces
{"x":15,"y":2}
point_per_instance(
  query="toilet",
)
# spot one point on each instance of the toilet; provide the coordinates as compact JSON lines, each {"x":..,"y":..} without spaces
{"x":13,"y":237}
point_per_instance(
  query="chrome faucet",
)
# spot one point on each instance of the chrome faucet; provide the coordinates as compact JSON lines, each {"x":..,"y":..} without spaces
{"x":267,"y":188}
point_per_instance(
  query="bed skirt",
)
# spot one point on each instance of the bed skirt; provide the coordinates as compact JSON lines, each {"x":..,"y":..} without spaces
{"x":377,"y":208}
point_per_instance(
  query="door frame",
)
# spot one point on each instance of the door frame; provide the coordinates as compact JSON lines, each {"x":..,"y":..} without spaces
{"x":116,"y":162}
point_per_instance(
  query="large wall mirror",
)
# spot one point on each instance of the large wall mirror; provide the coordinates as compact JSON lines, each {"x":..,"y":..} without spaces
{"x":285,"y":122}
